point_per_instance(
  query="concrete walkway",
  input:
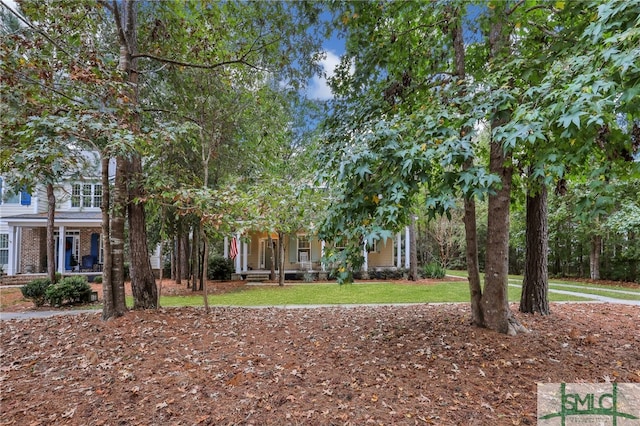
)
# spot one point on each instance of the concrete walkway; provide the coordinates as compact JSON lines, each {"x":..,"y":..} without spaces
{"x":45,"y":314}
{"x":594,"y":297}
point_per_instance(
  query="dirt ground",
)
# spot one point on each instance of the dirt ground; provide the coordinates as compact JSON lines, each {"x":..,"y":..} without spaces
{"x":401,"y":365}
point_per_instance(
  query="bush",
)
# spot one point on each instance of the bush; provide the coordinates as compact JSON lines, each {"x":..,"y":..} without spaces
{"x":98,"y":279}
{"x":433,"y":270}
{"x":36,"y":290}
{"x":383,"y":274}
{"x":220,"y":268}
{"x":71,"y":290}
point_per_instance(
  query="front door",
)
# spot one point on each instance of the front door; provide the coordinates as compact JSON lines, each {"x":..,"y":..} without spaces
{"x":71,"y":248}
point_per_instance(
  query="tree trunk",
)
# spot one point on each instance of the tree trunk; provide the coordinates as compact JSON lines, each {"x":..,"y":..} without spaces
{"x":535,"y":286}
{"x":51,"y":250}
{"x":594,"y":257}
{"x":114,"y":304}
{"x":495,"y":304}
{"x":143,"y":282}
{"x":413,"y":252}
{"x":470,"y":227}
{"x":272,"y":272}
{"x":185,"y":254}
{"x":195,"y":258}
{"x":281,"y":259}
{"x":205,"y":250}
{"x":160,"y":274}
{"x":176,"y":268}
{"x":473,"y":270}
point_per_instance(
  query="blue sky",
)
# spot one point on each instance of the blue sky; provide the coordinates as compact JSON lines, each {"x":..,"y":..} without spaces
{"x":333,"y":49}
{"x":318,"y":88}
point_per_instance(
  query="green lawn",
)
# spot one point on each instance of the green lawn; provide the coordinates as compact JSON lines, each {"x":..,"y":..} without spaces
{"x":334,"y":294}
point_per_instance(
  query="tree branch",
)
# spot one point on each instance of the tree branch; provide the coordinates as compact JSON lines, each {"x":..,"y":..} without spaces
{"x":36,"y":29}
{"x":515,"y":6}
{"x":542,"y":6}
{"x":544,"y":30}
{"x":50,"y":88}
{"x":176,"y":113}
{"x":194,"y":65}
{"x":106,"y":5}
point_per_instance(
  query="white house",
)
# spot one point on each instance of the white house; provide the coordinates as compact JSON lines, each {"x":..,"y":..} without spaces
{"x":77,"y":228}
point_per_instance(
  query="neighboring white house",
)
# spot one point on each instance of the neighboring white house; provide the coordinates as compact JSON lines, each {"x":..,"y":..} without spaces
{"x":77,"y":228}
{"x":78,"y":236}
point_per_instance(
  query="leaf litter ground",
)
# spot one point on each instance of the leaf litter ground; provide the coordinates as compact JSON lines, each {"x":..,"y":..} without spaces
{"x":389,"y":365}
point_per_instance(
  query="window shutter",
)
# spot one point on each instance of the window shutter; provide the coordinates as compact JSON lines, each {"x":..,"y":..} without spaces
{"x":315,"y":249}
{"x":25,"y":198}
{"x":293,"y":249}
{"x":95,"y":245}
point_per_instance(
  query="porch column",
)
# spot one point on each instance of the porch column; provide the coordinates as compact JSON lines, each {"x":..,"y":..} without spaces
{"x":238,"y":265}
{"x":12,"y":266}
{"x":365,"y":265}
{"x":407,"y":247}
{"x":226,"y":248}
{"x":398,"y":250}
{"x":322,"y":265}
{"x":61,"y":248}
{"x":244,"y":256}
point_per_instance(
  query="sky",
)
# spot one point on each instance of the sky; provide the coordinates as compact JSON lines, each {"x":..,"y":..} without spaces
{"x":318,"y":88}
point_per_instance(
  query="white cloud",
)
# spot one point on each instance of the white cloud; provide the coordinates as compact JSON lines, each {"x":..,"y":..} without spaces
{"x":318,"y":88}
{"x":11,"y":4}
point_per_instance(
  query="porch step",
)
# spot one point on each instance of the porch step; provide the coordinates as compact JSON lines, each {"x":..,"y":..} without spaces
{"x":257,"y":278}
{"x":18,"y":279}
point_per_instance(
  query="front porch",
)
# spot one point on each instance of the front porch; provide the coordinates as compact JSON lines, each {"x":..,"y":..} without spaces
{"x":261,"y":275}
{"x":77,"y":239}
{"x":22,"y":279}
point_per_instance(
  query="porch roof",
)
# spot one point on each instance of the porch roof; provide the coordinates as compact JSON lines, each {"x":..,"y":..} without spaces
{"x":81,"y":219}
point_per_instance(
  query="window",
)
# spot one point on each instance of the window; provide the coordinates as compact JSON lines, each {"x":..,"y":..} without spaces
{"x":7,"y":197}
{"x":304,"y":248}
{"x":4,"y":249}
{"x":86,"y":195}
{"x":341,"y":243}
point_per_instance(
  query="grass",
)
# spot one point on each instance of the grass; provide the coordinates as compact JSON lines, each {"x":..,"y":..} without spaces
{"x":367,"y":293}
{"x":334,"y":294}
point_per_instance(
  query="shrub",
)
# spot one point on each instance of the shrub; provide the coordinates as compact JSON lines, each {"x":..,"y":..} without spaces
{"x":35,"y":290}
{"x":98,"y":279}
{"x":433,"y":270}
{"x":71,"y":290}
{"x":220,"y":268}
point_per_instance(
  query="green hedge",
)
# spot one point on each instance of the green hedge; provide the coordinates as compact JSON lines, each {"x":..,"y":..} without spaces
{"x":70,"y":290}
{"x":36,"y":290}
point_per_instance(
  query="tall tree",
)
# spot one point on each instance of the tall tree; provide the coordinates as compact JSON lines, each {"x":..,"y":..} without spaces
{"x":42,"y":137}
{"x":405,"y":118}
{"x":258,"y":36}
{"x":535,"y":286}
